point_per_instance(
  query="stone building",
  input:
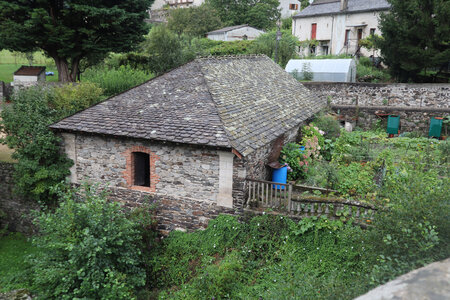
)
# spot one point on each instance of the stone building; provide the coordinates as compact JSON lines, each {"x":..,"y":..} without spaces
{"x":189,"y":137}
{"x":338,"y":25}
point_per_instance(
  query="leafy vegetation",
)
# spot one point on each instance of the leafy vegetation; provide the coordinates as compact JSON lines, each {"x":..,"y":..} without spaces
{"x":88,"y":248}
{"x":266,"y":43}
{"x":114,"y":80}
{"x":415,"y":37}
{"x":367,"y":72}
{"x":261,"y":14}
{"x":194,"y":21}
{"x":40,"y":162}
{"x":14,"y":265}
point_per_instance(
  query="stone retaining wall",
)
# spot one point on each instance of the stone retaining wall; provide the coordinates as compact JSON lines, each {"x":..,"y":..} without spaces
{"x":375,"y":94}
{"x":15,"y":208}
{"x":366,"y":103}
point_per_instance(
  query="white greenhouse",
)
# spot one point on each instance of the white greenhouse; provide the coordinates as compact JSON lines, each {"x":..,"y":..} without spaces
{"x":333,"y":70}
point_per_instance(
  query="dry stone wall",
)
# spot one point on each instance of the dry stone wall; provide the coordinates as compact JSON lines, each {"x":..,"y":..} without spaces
{"x":16,"y":209}
{"x":416,"y":104}
{"x":375,"y":94}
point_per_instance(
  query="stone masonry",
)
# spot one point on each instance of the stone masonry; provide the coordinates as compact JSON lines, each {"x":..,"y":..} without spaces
{"x":366,"y":103}
{"x":15,"y":208}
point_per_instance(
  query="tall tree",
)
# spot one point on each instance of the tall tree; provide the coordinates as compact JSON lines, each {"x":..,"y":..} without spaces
{"x":266,"y":44}
{"x":415,"y":36}
{"x":258,"y":13}
{"x":194,"y":21}
{"x":71,"y":30}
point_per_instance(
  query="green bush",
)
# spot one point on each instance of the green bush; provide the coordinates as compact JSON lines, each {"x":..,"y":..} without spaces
{"x":69,"y":99}
{"x":356,"y":180}
{"x":370,"y":74}
{"x":41,"y":165}
{"x":88,"y":249}
{"x":328,"y":124}
{"x":292,"y":156}
{"x":415,"y":228}
{"x":231,"y":48}
{"x":265,"y":44}
{"x":115,"y":81}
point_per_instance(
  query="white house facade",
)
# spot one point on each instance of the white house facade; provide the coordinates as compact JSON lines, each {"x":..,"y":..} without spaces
{"x":234,"y":33}
{"x":289,"y":7}
{"x":338,"y":25}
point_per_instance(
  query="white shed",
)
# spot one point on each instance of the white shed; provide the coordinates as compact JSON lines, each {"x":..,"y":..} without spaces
{"x":29,"y":75}
{"x":234,"y":33}
{"x":333,"y":70}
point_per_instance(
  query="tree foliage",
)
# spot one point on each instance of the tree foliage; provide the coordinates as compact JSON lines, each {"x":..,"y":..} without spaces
{"x":88,"y":249}
{"x":41,"y":165}
{"x":69,"y":31}
{"x":266,"y":43}
{"x":194,"y":21}
{"x":415,"y":36}
{"x":257,"y":13}
{"x":166,"y":49}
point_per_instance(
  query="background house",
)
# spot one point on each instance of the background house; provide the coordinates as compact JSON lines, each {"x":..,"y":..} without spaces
{"x":338,"y":25}
{"x":189,"y":137}
{"x":234,"y":33}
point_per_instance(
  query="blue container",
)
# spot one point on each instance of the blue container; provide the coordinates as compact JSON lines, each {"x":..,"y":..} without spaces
{"x":280,"y":176}
{"x":302,"y":148}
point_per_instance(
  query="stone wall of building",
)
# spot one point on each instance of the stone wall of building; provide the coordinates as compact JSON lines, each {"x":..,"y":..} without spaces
{"x":257,"y":161}
{"x":15,"y":210}
{"x":181,"y":171}
{"x":172,"y":213}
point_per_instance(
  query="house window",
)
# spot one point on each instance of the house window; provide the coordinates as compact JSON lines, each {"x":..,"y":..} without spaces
{"x":293,"y":6}
{"x":359,"y":34}
{"x":347,"y":37}
{"x":140,"y":171}
{"x":313,"y":31}
{"x":372,"y":31}
{"x":141,"y":164}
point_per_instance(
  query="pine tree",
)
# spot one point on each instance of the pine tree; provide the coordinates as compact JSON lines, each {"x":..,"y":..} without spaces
{"x":415,"y":37}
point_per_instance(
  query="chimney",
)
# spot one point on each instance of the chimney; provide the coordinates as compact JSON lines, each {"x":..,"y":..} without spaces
{"x":344,"y":5}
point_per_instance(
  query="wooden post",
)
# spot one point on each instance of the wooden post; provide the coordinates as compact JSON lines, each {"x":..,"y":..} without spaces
{"x":289,"y":198}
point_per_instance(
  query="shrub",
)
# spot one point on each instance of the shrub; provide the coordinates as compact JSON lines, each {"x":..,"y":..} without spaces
{"x":231,"y":48}
{"x":415,"y":228}
{"x":292,"y":155}
{"x":70,"y":98}
{"x":164,"y":48}
{"x":115,"y":81}
{"x":356,"y":180}
{"x":328,"y":124}
{"x":307,"y":73}
{"x":265,"y":44}
{"x":88,"y":248}
{"x":41,"y":165}
{"x":370,"y":74}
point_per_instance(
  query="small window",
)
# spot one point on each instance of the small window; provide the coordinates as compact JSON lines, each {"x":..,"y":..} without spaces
{"x":293,"y":6}
{"x":372,"y":31}
{"x":141,"y":164}
{"x":347,"y":37}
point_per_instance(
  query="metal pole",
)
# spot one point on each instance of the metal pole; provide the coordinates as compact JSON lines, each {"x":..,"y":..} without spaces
{"x":277,"y":39}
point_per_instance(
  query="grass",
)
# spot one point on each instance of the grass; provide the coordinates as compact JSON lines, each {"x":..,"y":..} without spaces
{"x":10,"y":62}
{"x":14,"y":249}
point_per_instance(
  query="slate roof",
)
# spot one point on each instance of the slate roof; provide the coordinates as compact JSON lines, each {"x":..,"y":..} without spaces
{"x":226,"y":29}
{"x":240,"y":102}
{"x":328,"y":8}
{"x":29,"y":71}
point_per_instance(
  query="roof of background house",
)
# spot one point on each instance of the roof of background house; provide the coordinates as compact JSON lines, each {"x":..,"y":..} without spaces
{"x":240,"y":102}
{"x":327,"y":7}
{"x":226,"y":29}
{"x":29,"y":71}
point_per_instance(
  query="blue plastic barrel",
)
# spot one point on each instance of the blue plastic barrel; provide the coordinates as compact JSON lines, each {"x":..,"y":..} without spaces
{"x":280,"y":176}
{"x":302,"y":148}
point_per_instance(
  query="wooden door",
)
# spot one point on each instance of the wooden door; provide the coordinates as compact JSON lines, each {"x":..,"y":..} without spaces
{"x":313,"y":31}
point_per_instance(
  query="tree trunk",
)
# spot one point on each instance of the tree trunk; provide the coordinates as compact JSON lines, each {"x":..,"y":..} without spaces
{"x":64,"y":74}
